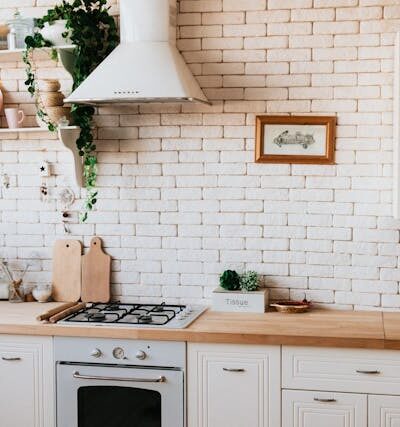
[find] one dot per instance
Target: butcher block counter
(362, 329)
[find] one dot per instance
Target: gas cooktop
(136, 315)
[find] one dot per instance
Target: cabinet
(233, 385)
(383, 411)
(26, 381)
(316, 409)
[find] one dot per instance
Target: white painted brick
(180, 197)
(337, 233)
(357, 298)
(311, 270)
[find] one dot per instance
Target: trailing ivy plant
(93, 32)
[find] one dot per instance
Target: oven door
(108, 396)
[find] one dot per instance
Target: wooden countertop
(317, 328)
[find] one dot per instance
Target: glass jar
(22, 27)
(16, 292)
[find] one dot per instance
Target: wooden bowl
(49, 85)
(291, 307)
(52, 99)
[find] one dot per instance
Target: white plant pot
(240, 301)
(54, 32)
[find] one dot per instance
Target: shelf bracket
(68, 138)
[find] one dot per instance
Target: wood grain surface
(67, 270)
(96, 271)
(318, 328)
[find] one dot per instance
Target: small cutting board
(96, 270)
(67, 270)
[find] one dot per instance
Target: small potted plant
(240, 293)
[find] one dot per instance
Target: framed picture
(295, 139)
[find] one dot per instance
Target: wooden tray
(291, 307)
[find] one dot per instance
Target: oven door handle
(160, 379)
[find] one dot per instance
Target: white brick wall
(180, 197)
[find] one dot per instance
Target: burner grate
(129, 314)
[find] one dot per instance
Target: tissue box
(239, 301)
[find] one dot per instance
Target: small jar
(27, 289)
(16, 292)
(42, 293)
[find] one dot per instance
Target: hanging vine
(93, 32)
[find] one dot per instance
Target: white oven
(119, 383)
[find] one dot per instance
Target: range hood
(146, 66)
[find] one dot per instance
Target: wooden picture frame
(281, 139)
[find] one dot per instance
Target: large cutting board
(67, 270)
(96, 270)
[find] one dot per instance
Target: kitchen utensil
(42, 293)
(292, 307)
(46, 315)
(14, 117)
(67, 270)
(56, 317)
(96, 270)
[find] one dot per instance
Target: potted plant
(92, 31)
(240, 293)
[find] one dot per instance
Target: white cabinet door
(323, 409)
(383, 411)
(233, 385)
(26, 381)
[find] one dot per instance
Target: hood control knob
(96, 353)
(141, 355)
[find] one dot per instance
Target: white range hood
(146, 66)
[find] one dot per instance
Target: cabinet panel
(26, 381)
(233, 385)
(335, 369)
(316, 409)
(383, 411)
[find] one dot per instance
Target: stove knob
(96, 353)
(141, 355)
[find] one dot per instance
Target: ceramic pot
(54, 33)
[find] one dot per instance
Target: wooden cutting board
(67, 270)
(96, 271)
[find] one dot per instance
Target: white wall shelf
(65, 55)
(67, 136)
(16, 54)
(30, 129)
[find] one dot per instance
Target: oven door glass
(104, 396)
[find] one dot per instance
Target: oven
(119, 383)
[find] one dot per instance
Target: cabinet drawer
(349, 370)
(316, 409)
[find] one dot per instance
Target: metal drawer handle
(368, 372)
(11, 359)
(160, 379)
(318, 399)
(234, 370)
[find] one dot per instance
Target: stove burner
(112, 307)
(145, 318)
(125, 314)
(96, 317)
(159, 308)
